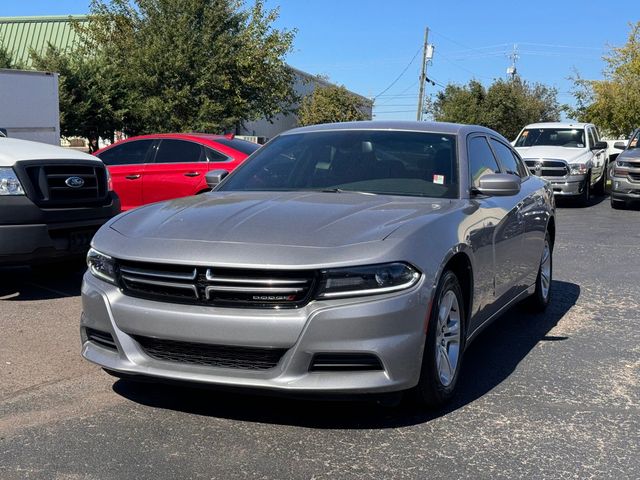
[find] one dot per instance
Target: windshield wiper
(341, 190)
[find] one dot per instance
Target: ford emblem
(74, 182)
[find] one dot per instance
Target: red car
(150, 168)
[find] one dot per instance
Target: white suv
(569, 155)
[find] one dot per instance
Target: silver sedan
(338, 259)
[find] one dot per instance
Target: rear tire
(540, 299)
(444, 345)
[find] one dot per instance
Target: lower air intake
(222, 356)
(345, 362)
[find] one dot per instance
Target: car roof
(407, 126)
(180, 136)
(559, 125)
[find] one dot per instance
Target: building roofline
(326, 83)
(44, 18)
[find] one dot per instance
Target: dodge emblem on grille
(74, 182)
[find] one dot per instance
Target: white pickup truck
(569, 155)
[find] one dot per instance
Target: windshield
(555, 137)
(370, 161)
(633, 143)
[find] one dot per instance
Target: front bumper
(390, 327)
(569, 186)
(622, 188)
(29, 234)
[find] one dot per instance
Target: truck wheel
(444, 345)
(540, 299)
(600, 187)
(584, 197)
(618, 204)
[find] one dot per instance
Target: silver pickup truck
(569, 155)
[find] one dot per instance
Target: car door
(502, 223)
(599, 156)
(126, 164)
(532, 220)
(178, 170)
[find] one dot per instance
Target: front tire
(444, 345)
(600, 188)
(540, 299)
(618, 204)
(584, 197)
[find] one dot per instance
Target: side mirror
(214, 177)
(620, 145)
(600, 146)
(499, 184)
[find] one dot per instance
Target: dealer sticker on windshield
(439, 179)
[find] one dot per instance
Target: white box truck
(29, 107)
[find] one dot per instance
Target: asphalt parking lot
(555, 395)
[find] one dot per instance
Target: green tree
(613, 103)
(198, 65)
(331, 103)
(506, 106)
(92, 100)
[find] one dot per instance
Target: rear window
(240, 145)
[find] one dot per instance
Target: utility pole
(423, 75)
(512, 71)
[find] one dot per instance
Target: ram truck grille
(547, 168)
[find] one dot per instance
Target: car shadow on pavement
(573, 203)
(491, 359)
(42, 283)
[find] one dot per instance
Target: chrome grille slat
(159, 273)
(259, 281)
(227, 287)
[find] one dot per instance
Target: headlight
(101, 266)
(368, 280)
(9, 183)
(577, 168)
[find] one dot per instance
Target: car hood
(630, 155)
(302, 219)
(570, 155)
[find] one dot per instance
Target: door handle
(191, 174)
(133, 177)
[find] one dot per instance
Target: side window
(522, 168)
(508, 161)
(128, 153)
(592, 139)
(179, 151)
(214, 156)
(481, 159)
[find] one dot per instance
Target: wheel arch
(459, 262)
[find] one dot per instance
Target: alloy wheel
(448, 338)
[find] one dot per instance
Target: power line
(401, 74)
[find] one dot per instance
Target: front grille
(634, 176)
(547, 168)
(223, 356)
(228, 287)
(51, 185)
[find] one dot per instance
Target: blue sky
(366, 44)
